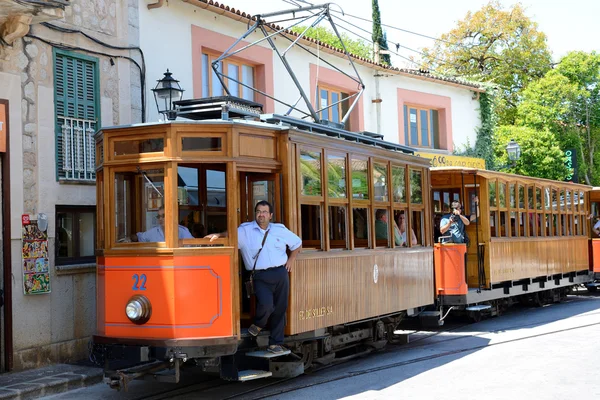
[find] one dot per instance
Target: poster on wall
(36, 275)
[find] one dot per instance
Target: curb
(51, 384)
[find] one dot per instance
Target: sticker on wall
(375, 273)
(36, 273)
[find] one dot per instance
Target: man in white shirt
(157, 234)
(271, 280)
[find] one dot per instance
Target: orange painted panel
(596, 255)
(449, 261)
(190, 296)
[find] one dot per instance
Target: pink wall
(339, 81)
(441, 103)
(204, 40)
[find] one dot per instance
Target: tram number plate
(140, 282)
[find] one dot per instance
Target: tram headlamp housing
(138, 309)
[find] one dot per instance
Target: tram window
(446, 204)
(503, 224)
(547, 198)
(382, 228)
(492, 190)
(380, 182)
(360, 187)
(511, 192)
(437, 206)
(493, 223)
(554, 200)
(562, 200)
(555, 223)
(138, 199)
(399, 184)
(530, 197)
(539, 224)
(532, 225)
(521, 223)
(416, 187)
(568, 201)
(311, 226)
(360, 218)
(337, 227)
(538, 198)
(563, 221)
(201, 144)
(336, 176)
(577, 229)
(417, 227)
(126, 147)
(521, 197)
(502, 194)
(513, 224)
(548, 223)
(310, 166)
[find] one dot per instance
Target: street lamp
(167, 91)
(514, 151)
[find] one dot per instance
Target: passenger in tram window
(381, 227)
(264, 247)
(401, 227)
(453, 225)
(157, 233)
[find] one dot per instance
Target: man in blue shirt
(271, 280)
(454, 224)
(157, 234)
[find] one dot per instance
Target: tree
(494, 45)
(355, 47)
(566, 101)
(541, 155)
(378, 36)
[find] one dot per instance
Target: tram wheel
(538, 299)
(308, 354)
(592, 289)
(476, 316)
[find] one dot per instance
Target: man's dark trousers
(272, 287)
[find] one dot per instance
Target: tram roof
(280, 123)
(508, 176)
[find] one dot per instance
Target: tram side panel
(333, 290)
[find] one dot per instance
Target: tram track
(421, 342)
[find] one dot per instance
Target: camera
(453, 218)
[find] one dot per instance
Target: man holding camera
(453, 225)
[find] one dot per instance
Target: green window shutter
(77, 114)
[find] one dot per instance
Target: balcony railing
(77, 149)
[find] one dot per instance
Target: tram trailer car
(529, 240)
(593, 285)
(161, 305)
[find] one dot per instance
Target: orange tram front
(167, 297)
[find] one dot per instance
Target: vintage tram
(529, 239)
(179, 300)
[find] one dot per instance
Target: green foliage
(378, 35)
(355, 47)
(566, 101)
(503, 47)
(541, 155)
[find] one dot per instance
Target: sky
(571, 25)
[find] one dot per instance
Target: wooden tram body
(531, 238)
(208, 175)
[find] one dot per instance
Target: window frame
(239, 63)
(434, 137)
(76, 211)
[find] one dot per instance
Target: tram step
(479, 307)
(266, 354)
(251, 374)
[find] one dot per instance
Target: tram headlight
(138, 309)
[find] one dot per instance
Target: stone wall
(56, 327)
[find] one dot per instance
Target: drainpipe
(6, 243)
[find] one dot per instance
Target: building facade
(405, 106)
(66, 68)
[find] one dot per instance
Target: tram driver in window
(157, 233)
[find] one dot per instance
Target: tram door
(254, 187)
